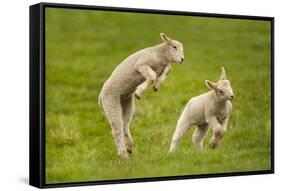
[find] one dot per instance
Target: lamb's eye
(221, 92)
(175, 47)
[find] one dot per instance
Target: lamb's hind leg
(198, 137)
(182, 127)
(113, 111)
(128, 111)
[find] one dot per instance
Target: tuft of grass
(66, 132)
(82, 49)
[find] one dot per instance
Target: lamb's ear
(164, 37)
(210, 84)
(223, 76)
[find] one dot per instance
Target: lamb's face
(173, 49)
(222, 88)
(174, 52)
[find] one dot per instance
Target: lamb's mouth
(181, 61)
(230, 99)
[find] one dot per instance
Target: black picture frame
(37, 94)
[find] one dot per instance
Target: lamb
(208, 110)
(130, 79)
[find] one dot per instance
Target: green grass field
(82, 49)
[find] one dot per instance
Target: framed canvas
(122, 95)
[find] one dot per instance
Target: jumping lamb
(208, 110)
(131, 78)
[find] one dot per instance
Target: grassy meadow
(82, 49)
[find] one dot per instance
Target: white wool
(132, 77)
(208, 110)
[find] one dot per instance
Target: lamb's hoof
(129, 143)
(137, 96)
(129, 148)
(130, 151)
(124, 156)
(213, 145)
(155, 89)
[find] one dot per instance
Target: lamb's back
(124, 79)
(195, 110)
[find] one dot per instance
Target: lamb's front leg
(218, 132)
(161, 78)
(141, 89)
(150, 77)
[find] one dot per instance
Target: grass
(82, 49)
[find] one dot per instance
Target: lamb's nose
(232, 96)
(182, 59)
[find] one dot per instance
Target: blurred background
(82, 49)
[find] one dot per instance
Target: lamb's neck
(160, 50)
